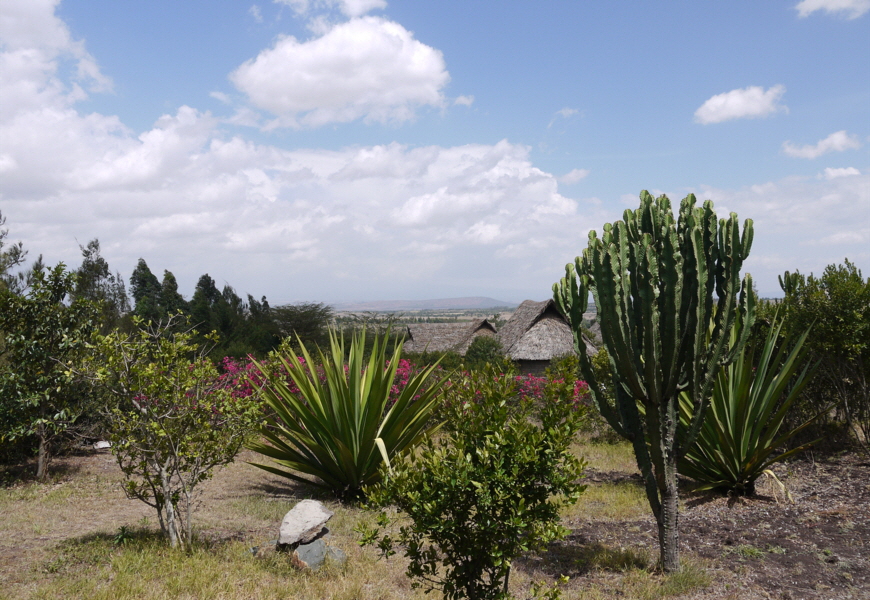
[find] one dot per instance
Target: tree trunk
(42, 461)
(669, 532)
(171, 517)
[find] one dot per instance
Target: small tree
(486, 491)
(41, 334)
(653, 279)
(173, 423)
(485, 349)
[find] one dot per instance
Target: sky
(350, 150)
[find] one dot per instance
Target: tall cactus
(653, 281)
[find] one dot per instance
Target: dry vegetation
(61, 540)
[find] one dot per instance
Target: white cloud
(256, 13)
(800, 223)
(831, 173)
(367, 68)
(350, 8)
(838, 141)
(564, 113)
(464, 101)
(574, 176)
(746, 103)
(851, 9)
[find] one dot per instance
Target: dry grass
(61, 541)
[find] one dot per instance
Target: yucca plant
(740, 436)
(341, 428)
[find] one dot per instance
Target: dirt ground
(816, 547)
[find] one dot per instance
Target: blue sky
(339, 150)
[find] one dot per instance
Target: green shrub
(340, 429)
(173, 422)
(487, 490)
(484, 350)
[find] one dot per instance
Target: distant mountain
(475, 302)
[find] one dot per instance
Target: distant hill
(475, 302)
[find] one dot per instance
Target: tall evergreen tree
(170, 300)
(145, 289)
(95, 281)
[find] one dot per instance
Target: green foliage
(837, 306)
(490, 488)
(653, 278)
(306, 321)
(41, 335)
(484, 350)
(173, 423)
(95, 282)
(751, 398)
(12, 256)
(341, 429)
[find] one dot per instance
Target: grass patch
(610, 501)
(607, 457)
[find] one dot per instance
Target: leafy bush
(751, 399)
(486, 491)
(341, 428)
(41, 334)
(174, 421)
(485, 349)
(837, 306)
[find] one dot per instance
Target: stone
(102, 445)
(303, 524)
(336, 555)
(309, 556)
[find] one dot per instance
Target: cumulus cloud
(574, 176)
(800, 222)
(831, 173)
(367, 68)
(851, 9)
(464, 101)
(838, 141)
(746, 103)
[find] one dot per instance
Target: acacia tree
(653, 279)
(174, 422)
(42, 336)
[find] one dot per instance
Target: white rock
(303, 523)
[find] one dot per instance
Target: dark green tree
(95, 282)
(42, 337)
(307, 320)
(11, 256)
(484, 350)
(170, 300)
(145, 289)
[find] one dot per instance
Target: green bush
(484, 350)
(173, 422)
(339, 429)
(488, 489)
(837, 306)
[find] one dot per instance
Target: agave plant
(741, 433)
(340, 427)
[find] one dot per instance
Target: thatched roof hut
(535, 334)
(445, 337)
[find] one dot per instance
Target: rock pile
(302, 536)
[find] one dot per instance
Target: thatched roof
(444, 337)
(538, 331)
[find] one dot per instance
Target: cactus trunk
(653, 279)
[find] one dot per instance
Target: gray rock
(303, 524)
(309, 556)
(336, 555)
